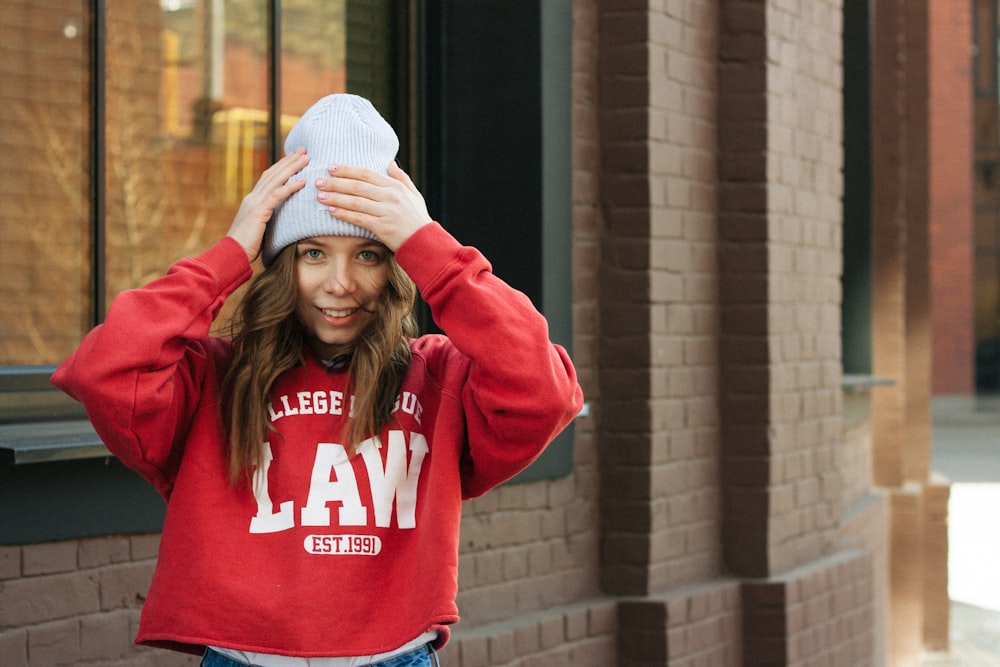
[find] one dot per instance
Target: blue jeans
(425, 656)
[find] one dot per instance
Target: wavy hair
(268, 340)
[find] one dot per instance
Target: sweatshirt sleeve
(521, 389)
(140, 373)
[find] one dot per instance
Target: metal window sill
(70, 440)
(859, 383)
(41, 442)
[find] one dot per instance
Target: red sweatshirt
(332, 556)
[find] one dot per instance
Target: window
(856, 305)
(44, 152)
(499, 151)
(130, 133)
(132, 130)
(987, 197)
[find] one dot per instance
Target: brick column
(746, 377)
(625, 349)
(951, 160)
(901, 321)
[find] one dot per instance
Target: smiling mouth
(333, 312)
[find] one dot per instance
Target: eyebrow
(361, 244)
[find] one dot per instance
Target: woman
(315, 462)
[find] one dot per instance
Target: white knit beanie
(338, 129)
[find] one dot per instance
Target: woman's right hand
(258, 205)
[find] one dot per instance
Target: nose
(340, 280)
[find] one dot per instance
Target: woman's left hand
(390, 206)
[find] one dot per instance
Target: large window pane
(45, 303)
(120, 157)
(356, 46)
(313, 53)
(187, 111)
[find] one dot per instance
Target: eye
(311, 253)
(371, 256)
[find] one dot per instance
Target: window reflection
(185, 137)
(313, 52)
(186, 127)
(45, 182)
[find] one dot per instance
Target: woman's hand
(258, 205)
(390, 206)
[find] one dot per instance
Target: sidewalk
(966, 450)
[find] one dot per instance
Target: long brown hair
(269, 340)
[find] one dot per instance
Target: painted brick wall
(659, 315)
(684, 285)
(781, 259)
(624, 321)
(77, 603)
(819, 615)
(804, 263)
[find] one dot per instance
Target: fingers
(275, 178)
(390, 206)
(396, 172)
(274, 186)
(367, 184)
(357, 189)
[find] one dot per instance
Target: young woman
(314, 463)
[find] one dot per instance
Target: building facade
(729, 211)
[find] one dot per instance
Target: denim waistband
(423, 656)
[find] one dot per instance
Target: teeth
(337, 313)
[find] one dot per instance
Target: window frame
(507, 189)
(40, 424)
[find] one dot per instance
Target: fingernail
(333, 168)
(322, 195)
(320, 182)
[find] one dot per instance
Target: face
(339, 281)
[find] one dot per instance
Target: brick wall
(818, 615)
(780, 219)
(903, 241)
(658, 317)
(950, 103)
(77, 603)
(567, 636)
(689, 626)
(717, 512)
